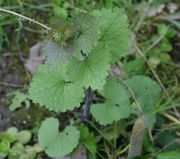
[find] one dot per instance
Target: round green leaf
(147, 93)
(88, 28)
(12, 134)
(55, 143)
(114, 31)
(117, 105)
(50, 88)
(24, 136)
(91, 71)
(56, 53)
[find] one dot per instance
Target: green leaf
(87, 138)
(24, 136)
(16, 151)
(88, 28)
(114, 31)
(17, 100)
(56, 53)
(12, 134)
(4, 146)
(50, 88)
(134, 67)
(165, 139)
(90, 71)
(147, 93)
(117, 105)
(162, 29)
(54, 143)
(169, 155)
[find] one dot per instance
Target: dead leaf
(172, 7)
(115, 70)
(156, 10)
(34, 58)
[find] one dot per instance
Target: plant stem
(24, 17)
(87, 103)
(170, 117)
(123, 150)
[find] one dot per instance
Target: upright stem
(87, 103)
(24, 17)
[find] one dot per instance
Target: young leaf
(54, 143)
(114, 31)
(17, 100)
(50, 88)
(56, 53)
(87, 138)
(146, 90)
(117, 105)
(92, 70)
(87, 26)
(147, 93)
(169, 155)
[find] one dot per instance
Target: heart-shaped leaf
(55, 143)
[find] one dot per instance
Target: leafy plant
(79, 55)
(18, 99)
(13, 144)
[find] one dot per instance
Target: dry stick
(24, 17)
(10, 85)
(152, 70)
(155, 75)
(138, 129)
(154, 44)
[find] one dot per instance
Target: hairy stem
(24, 17)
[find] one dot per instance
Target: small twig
(134, 98)
(154, 44)
(24, 17)
(140, 133)
(10, 85)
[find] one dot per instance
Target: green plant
(13, 144)
(79, 54)
(18, 99)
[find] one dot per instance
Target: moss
(32, 117)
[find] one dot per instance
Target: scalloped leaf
(117, 105)
(114, 31)
(92, 70)
(50, 88)
(56, 53)
(55, 143)
(88, 28)
(147, 93)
